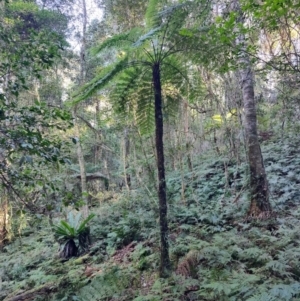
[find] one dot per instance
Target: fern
(120, 41)
(146, 37)
(112, 282)
(145, 111)
(151, 18)
(100, 81)
(174, 288)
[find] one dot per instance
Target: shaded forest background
(156, 161)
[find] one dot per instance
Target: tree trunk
(126, 151)
(165, 265)
(80, 156)
(81, 162)
(4, 219)
(260, 206)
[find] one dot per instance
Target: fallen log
(92, 176)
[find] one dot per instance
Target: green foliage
(113, 281)
(130, 77)
(27, 141)
(216, 253)
(101, 80)
(73, 228)
(27, 16)
(165, 289)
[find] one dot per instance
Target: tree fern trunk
(165, 266)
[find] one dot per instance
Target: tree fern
(150, 68)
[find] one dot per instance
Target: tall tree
(28, 48)
(228, 51)
(260, 206)
(82, 75)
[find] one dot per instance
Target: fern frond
(172, 99)
(151, 15)
(119, 41)
(126, 83)
(148, 36)
(83, 224)
(145, 116)
(110, 283)
(100, 81)
(175, 17)
(133, 94)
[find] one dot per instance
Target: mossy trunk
(165, 265)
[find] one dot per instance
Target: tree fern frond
(175, 71)
(100, 81)
(126, 83)
(170, 10)
(175, 16)
(149, 35)
(119, 41)
(145, 116)
(151, 15)
(172, 100)
(133, 94)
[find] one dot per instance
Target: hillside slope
(217, 253)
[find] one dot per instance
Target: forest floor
(217, 254)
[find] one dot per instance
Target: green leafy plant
(71, 230)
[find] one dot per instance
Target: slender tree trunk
(4, 219)
(83, 43)
(126, 151)
(187, 135)
(260, 206)
(80, 156)
(81, 162)
(165, 265)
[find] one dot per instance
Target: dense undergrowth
(216, 253)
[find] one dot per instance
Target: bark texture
(4, 221)
(259, 193)
(260, 206)
(165, 266)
